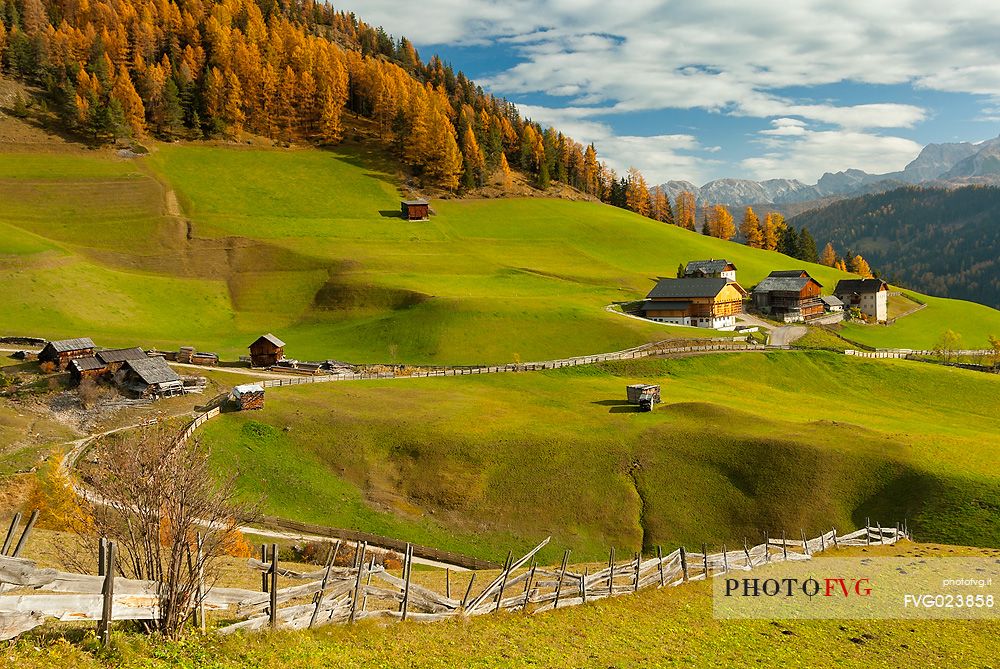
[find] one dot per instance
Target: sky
(705, 89)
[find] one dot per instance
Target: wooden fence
(906, 353)
(366, 590)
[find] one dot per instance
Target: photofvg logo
(862, 588)
(793, 587)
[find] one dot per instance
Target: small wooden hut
(114, 358)
(415, 210)
(88, 367)
(152, 377)
(248, 396)
(266, 351)
(59, 353)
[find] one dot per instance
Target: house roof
(270, 338)
(848, 286)
(66, 345)
(708, 266)
(688, 287)
(832, 300)
(673, 305)
(87, 364)
(789, 273)
(120, 354)
(784, 284)
(415, 202)
(153, 370)
(248, 388)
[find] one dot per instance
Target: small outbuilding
(88, 367)
(151, 377)
(59, 353)
(248, 396)
(833, 304)
(266, 351)
(114, 358)
(415, 210)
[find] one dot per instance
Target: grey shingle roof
(782, 284)
(87, 364)
(707, 266)
(415, 202)
(849, 286)
(120, 354)
(832, 300)
(270, 338)
(692, 287)
(66, 345)
(153, 370)
(788, 273)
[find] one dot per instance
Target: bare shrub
(154, 496)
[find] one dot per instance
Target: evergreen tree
(788, 242)
(807, 247)
(173, 115)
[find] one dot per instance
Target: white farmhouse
(871, 296)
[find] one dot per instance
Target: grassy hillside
(742, 443)
(306, 244)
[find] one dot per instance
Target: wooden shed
(152, 377)
(88, 367)
(114, 358)
(266, 351)
(248, 396)
(59, 353)
(415, 210)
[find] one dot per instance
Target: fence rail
(905, 353)
(345, 594)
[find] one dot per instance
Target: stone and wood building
(702, 269)
(707, 302)
(150, 377)
(870, 296)
(415, 210)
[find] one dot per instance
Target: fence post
(611, 572)
(805, 544)
(468, 590)
(767, 548)
(583, 584)
(562, 575)
(659, 559)
(108, 593)
(835, 543)
(102, 556)
(746, 550)
(274, 586)
(784, 546)
(263, 574)
(322, 587)
(14, 522)
(201, 583)
(357, 583)
(704, 557)
(24, 534)
(684, 565)
(822, 543)
(503, 580)
(881, 538)
(408, 567)
(638, 558)
(725, 560)
(447, 582)
(868, 534)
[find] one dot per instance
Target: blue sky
(717, 88)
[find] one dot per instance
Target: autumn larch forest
(289, 70)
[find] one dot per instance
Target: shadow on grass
(390, 213)
(628, 408)
(611, 403)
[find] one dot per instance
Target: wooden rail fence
(366, 590)
(906, 353)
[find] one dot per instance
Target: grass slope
(306, 244)
(742, 443)
(655, 628)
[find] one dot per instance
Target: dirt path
(787, 334)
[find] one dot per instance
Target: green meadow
(307, 244)
(742, 443)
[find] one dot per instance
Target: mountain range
(949, 165)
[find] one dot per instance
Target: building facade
(870, 296)
(697, 302)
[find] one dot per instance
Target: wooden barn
(415, 210)
(701, 269)
(151, 377)
(88, 367)
(59, 353)
(114, 358)
(789, 295)
(248, 396)
(266, 351)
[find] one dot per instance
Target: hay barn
(59, 353)
(415, 210)
(266, 351)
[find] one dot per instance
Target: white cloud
(806, 154)
(726, 56)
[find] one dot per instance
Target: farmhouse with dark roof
(701, 302)
(702, 269)
(789, 295)
(871, 296)
(59, 353)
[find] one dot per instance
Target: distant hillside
(942, 242)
